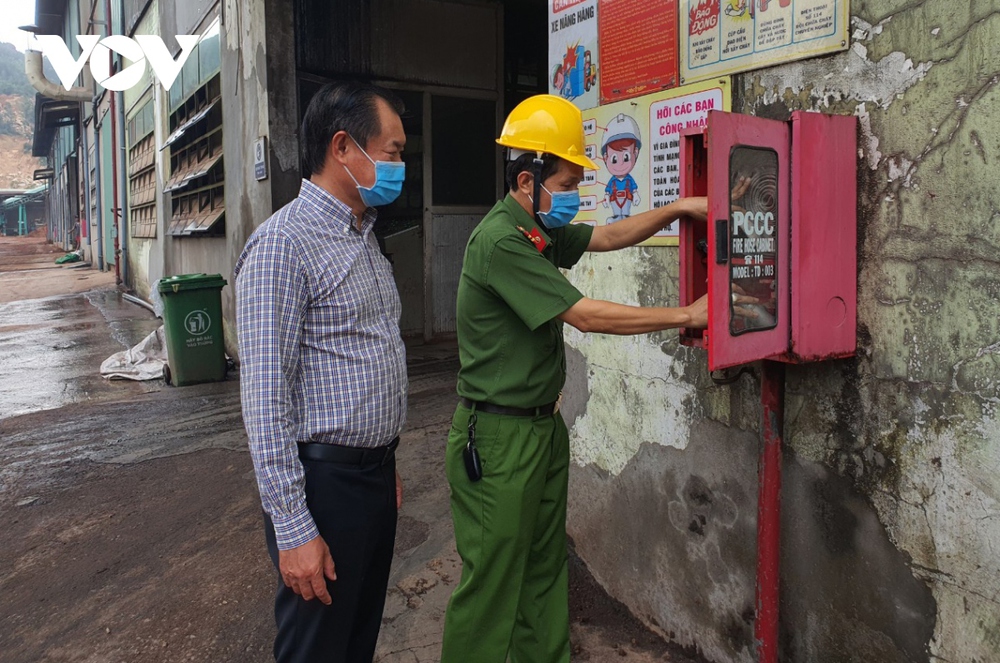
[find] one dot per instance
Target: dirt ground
(28, 271)
(132, 527)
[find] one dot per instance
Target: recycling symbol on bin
(197, 322)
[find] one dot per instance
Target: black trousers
(354, 507)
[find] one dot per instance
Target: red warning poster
(638, 47)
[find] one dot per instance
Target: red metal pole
(772, 399)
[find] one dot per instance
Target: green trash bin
(192, 323)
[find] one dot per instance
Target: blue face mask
(389, 176)
(565, 207)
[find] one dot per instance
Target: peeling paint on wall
(245, 35)
(904, 437)
(637, 398)
(879, 82)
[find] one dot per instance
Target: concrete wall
(891, 503)
(140, 251)
(259, 98)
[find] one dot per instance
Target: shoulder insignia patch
(534, 237)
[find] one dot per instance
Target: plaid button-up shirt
(321, 358)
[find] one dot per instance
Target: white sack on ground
(145, 361)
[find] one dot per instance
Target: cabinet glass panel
(753, 239)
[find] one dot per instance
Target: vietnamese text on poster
(637, 145)
(638, 47)
(722, 37)
(573, 56)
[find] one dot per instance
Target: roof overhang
(50, 115)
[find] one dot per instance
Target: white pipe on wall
(36, 76)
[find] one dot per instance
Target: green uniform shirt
(510, 341)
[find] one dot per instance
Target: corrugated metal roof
(29, 196)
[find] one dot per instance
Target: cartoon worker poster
(573, 55)
(620, 153)
(637, 144)
(615, 137)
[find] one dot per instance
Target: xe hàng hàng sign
(573, 55)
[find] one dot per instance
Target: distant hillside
(17, 121)
(17, 97)
(12, 78)
(17, 115)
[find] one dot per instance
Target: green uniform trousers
(510, 528)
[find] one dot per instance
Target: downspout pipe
(123, 183)
(98, 190)
(115, 208)
(116, 213)
(85, 217)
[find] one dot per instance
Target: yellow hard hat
(547, 123)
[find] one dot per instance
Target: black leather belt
(335, 453)
(490, 408)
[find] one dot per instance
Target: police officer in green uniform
(508, 449)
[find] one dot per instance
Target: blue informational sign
(260, 159)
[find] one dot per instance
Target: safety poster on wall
(638, 44)
(723, 37)
(637, 145)
(573, 55)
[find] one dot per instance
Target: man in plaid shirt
(324, 382)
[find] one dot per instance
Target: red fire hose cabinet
(778, 254)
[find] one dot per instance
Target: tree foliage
(12, 77)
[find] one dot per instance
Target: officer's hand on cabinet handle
(695, 207)
(698, 312)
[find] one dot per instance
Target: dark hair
(550, 164)
(349, 107)
(619, 145)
